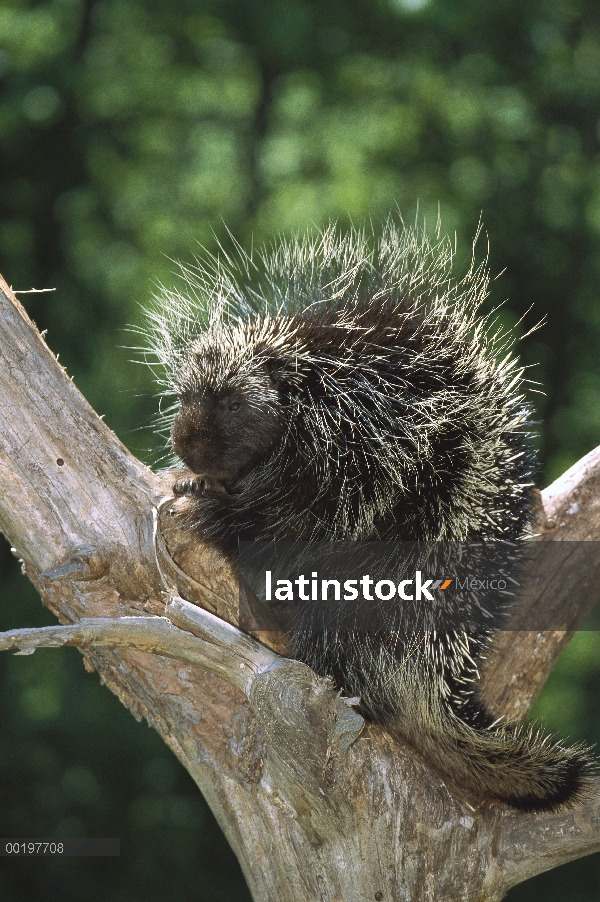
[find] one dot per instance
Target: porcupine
(340, 388)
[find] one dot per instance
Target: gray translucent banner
(420, 586)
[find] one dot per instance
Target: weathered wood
(315, 804)
(522, 658)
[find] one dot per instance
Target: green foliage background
(131, 130)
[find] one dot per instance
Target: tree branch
(532, 844)
(199, 638)
(521, 657)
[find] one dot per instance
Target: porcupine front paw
(190, 487)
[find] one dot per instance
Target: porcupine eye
(232, 404)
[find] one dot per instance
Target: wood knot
(85, 563)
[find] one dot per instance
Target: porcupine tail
(511, 763)
(401, 688)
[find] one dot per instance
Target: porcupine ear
(274, 369)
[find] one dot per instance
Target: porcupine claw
(189, 487)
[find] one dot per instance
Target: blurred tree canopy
(134, 131)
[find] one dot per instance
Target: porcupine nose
(190, 440)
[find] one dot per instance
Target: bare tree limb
(522, 658)
(198, 638)
(536, 843)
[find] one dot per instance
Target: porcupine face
(230, 415)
